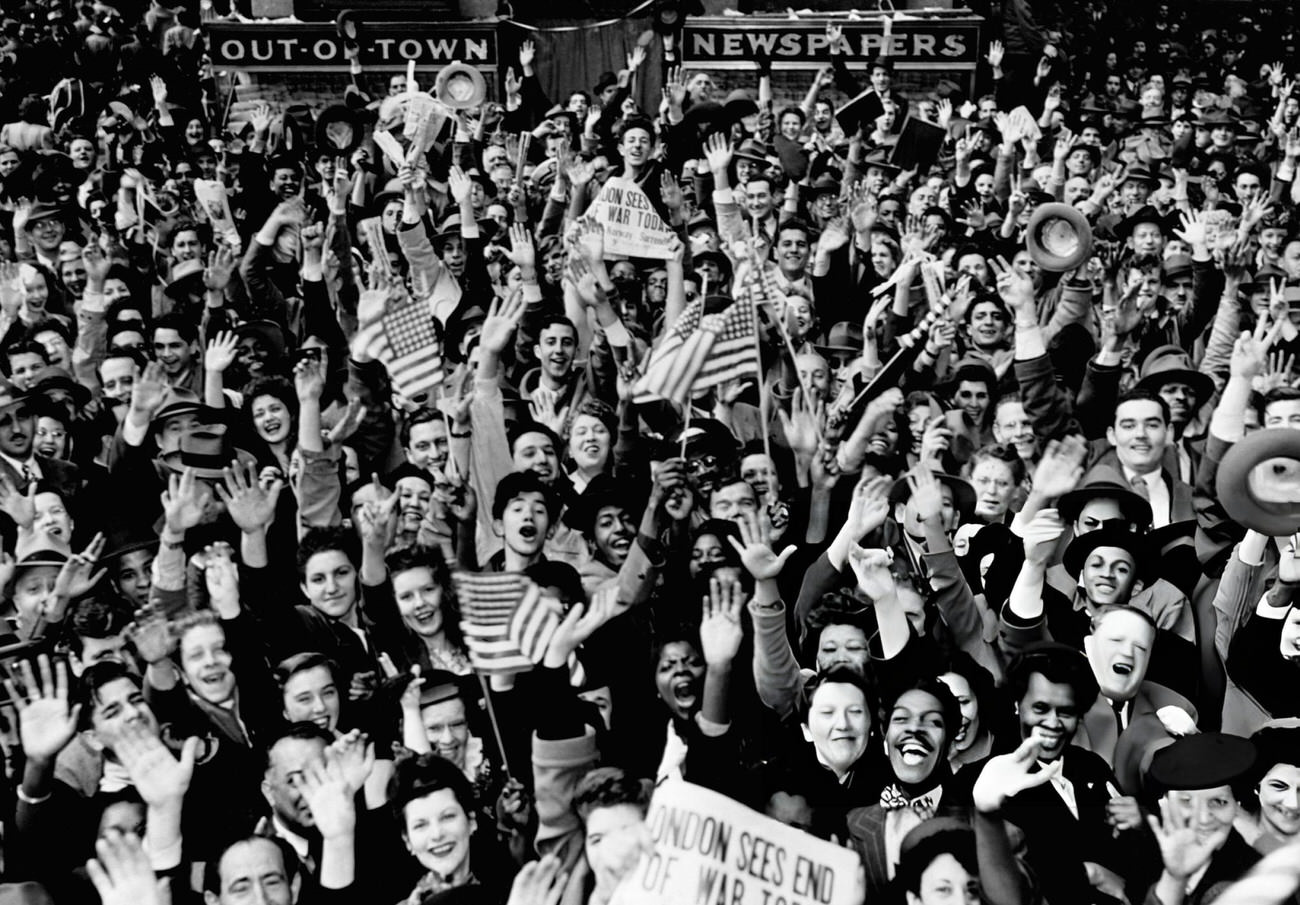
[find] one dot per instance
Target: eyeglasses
(43, 433)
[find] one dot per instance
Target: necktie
(1139, 485)
(1118, 707)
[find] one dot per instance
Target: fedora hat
(845, 336)
(460, 87)
(1109, 535)
(11, 395)
(1259, 481)
(1170, 364)
(270, 333)
(56, 378)
(176, 401)
(338, 130)
(755, 151)
(1058, 237)
(209, 452)
(739, 104)
(1093, 152)
(1105, 483)
(123, 539)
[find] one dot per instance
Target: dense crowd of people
(944, 576)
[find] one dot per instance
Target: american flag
(406, 340)
(701, 351)
(506, 620)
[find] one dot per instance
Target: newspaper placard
(211, 195)
(710, 849)
(633, 228)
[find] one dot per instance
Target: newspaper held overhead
(633, 228)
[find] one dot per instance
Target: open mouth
(913, 752)
(621, 543)
(271, 427)
(591, 449)
(441, 851)
(683, 689)
(527, 532)
(1122, 668)
(214, 679)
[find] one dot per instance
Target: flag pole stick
(686, 426)
(492, 718)
(759, 276)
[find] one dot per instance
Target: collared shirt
(1064, 788)
(1157, 493)
(30, 467)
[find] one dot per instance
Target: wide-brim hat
(450, 228)
(1171, 364)
(41, 556)
(1093, 152)
(1105, 483)
(1111, 535)
(124, 538)
(824, 184)
(348, 25)
(269, 332)
(1259, 482)
(1145, 214)
(739, 104)
(209, 453)
(602, 491)
(55, 378)
(756, 152)
(1058, 237)
(879, 159)
(11, 395)
(963, 494)
(339, 130)
(186, 280)
(460, 87)
(176, 401)
(844, 336)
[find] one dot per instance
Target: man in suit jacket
(19, 463)
(1070, 822)
(1137, 446)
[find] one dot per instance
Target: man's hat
(209, 452)
(1139, 174)
(1171, 364)
(269, 332)
(963, 494)
(1093, 152)
(338, 130)
(10, 395)
(461, 87)
(845, 336)
(186, 280)
(1105, 483)
(1110, 535)
(1206, 760)
(1058, 237)
(1259, 482)
(176, 401)
(55, 378)
(1263, 279)
(824, 184)
(1144, 214)
(753, 150)
(602, 491)
(739, 104)
(1176, 265)
(122, 539)
(879, 159)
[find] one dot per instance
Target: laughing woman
(271, 411)
(592, 432)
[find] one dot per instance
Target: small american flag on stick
(701, 351)
(506, 620)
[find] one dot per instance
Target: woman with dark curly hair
(271, 412)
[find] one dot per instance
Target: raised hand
(503, 319)
(122, 873)
(1015, 288)
(1041, 534)
(184, 501)
(755, 549)
(927, 493)
(46, 722)
(377, 519)
(260, 117)
(148, 391)
(670, 191)
(672, 490)
(1007, 775)
(590, 238)
(521, 252)
(221, 267)
(250, 505)
(353, 414)
(1061, 467)
(995, 54)
(720, 629)
(309, 379)
(329, 797)
(869, 507)
(717, 151)
(159, 777)
(580, 623)
(802, 426)
(151, 635)
(871, 566)
(159, 89)
(541, 882)
(527, 54)
(77, 576)
(221, 576)
(542, 406)
(19, 506)
(221, 352)
(1181, 849)
(935, 440)
(1193, 229)
(355, 753)
(835, 236)
(460, 185)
